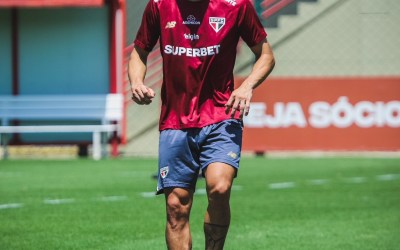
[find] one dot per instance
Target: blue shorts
(183, 153)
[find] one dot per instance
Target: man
(201, 114)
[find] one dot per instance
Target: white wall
(358, 38)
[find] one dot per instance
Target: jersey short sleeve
(250, 28)
(149, 31)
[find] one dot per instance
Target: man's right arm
(137, 71)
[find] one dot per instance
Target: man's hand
(136, 71)
(239, 101)
(142, 94)
(241, 97)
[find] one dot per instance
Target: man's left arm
(241, 97)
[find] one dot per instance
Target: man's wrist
(249, 84)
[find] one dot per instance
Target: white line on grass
(318, 182)
(199, 191)
(282, 185)
(237, 188)
(58, 201)
(356, 180)
(203, 191)
(113, 198)
(387, 177)
(11, 205)
(148, 194)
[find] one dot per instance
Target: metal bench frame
(107, 109)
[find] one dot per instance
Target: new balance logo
(233, 155)
(231, 2)
(170, 25)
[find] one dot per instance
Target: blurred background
(326, 51)
(336, 86)
(335, 91)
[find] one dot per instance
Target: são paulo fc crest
(164, 172)
(217, 23)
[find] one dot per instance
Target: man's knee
(219, 178)
(178, 207)
(219, 191)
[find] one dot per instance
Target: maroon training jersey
(198, 43)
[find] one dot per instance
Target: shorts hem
(181, 185)
(232, 164)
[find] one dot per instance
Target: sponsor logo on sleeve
(217, 23)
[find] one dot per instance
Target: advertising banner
(324, 114)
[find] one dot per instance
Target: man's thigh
(220, 176)
(223, 144)
(178, 163)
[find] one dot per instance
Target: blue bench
(106, 109)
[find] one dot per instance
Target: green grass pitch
(279, 204)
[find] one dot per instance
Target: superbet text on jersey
(198, 43)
